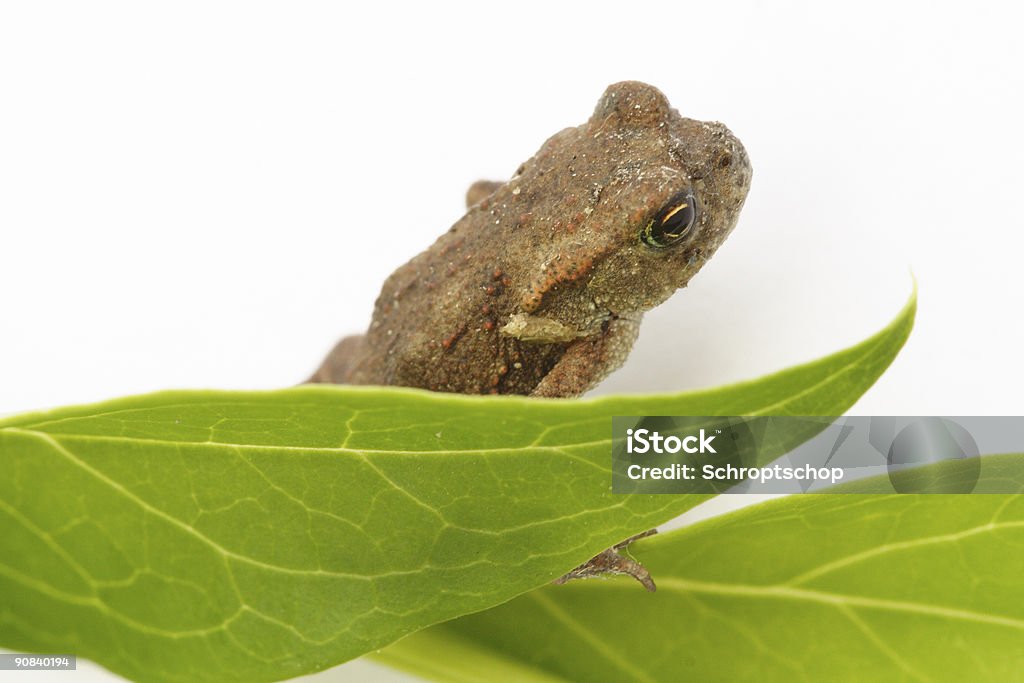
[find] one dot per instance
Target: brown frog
(540, 287)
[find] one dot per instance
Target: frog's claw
(611, 562)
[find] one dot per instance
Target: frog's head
(642, 198)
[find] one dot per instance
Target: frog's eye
(674, 222)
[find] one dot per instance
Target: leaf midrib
(336, 450)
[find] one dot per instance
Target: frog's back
(437, 324)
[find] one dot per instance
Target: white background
(198, 194)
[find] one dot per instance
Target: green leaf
(258, 536)
(812, 587)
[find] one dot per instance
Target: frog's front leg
(480, 190)
(588, 360)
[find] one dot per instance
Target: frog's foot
(480, 190)
(611, 562)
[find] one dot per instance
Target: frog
(539, 289)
